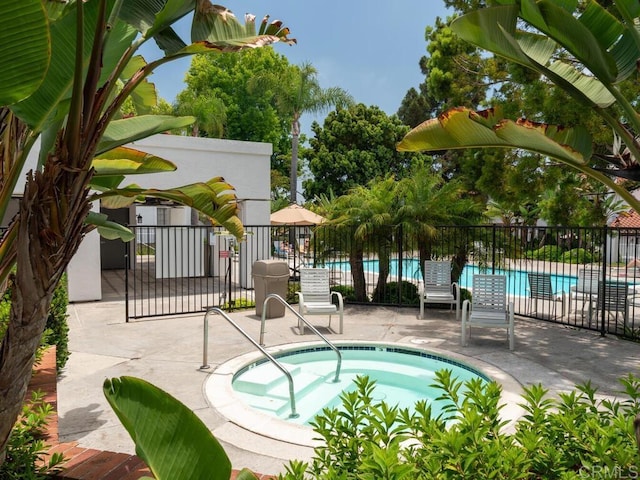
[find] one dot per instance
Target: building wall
(245, 165)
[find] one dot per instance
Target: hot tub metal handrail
(301, 318)
(287, 374)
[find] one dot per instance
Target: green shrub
(390, 295)
(292, 288)
(549, 253)
(26, 448)
(577, 255)
(570, 437)
(348, 293)
(238, 304)
(57, 324)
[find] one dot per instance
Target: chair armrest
(455, 287)
(339, 296)
(300, 297)
(465, 309)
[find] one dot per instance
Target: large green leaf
(129, 161)
(24, 49)
(494, 29)
(169, 437)
(127, 130)
(108, 229)
(461, 128)
(214, 198)
(50, 101)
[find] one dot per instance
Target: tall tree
(354, 146)
(296, 91)
(59, 81)
(223, 81)
(427, 201)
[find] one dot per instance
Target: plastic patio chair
(488, 307)
(586, 288)
(438, 287)
(315, 296)
(540, 288)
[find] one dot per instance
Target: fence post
(400, 262)
(602, 301)
(493, 250)
(126, 273)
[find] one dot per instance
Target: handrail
(300, 317)
(205, 365)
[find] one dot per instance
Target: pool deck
(167, 351)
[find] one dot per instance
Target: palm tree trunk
(293, 197)
(49, 233)
(356, 262)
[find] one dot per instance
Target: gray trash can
(270, 276)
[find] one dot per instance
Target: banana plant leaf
(462, 128)
(214, 198)
(169, 437)
(24, 45)
(50, 102)
(121, 132)
(108, 229)
(129, 161)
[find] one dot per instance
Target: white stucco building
(245, 165)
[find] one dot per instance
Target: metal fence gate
(188, 269)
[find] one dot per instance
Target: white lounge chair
(586, 288)
(314, 297)
(615, 298)
(540, 288)
(488, 307)
(438, 287)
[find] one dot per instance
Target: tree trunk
(357, 274)
(295, 135)
(51, 227)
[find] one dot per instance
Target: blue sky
(371, 48)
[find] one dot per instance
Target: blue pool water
(517, 283)
(403, 376)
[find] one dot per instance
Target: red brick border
(85, 463)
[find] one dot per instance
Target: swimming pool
(517, 282)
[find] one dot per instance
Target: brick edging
(85, 463)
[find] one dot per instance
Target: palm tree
(428, 201)
(363, 220)
(297, 91)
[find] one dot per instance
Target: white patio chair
(314, 297)
(438, 287)
(488, 307)
(540, 288)
(586, 288)
(615, 298)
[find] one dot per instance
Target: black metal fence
(177, 270)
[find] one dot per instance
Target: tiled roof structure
(629, 219)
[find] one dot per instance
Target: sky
(370, 48)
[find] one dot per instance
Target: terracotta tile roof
(630, 219)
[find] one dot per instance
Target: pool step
(267, 379)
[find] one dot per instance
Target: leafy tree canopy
(354, 146)
(222, 83)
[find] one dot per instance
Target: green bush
(26, 448)
(292, 288)
(577, 255)
(390, 295)
(57, 324)
(348, 293)
(549, 253)
(572, 436)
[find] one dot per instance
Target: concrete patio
(167, 351)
